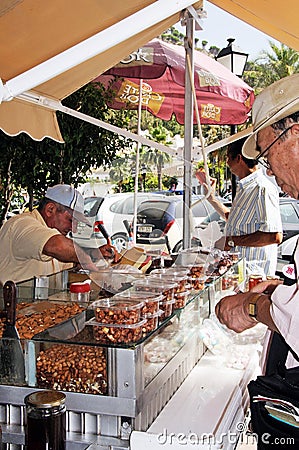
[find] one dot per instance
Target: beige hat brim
(249, 149)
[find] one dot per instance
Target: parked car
(160, 221)
(289, 211)
(110, 211)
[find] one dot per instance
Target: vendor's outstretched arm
(65, 250)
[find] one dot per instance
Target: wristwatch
(252, 307)
(231, 243)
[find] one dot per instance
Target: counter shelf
(137, 387)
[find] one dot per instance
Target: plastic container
(235, 256)
(117, 311)
(197, 283)
(117, 333)
(151, 300)
(156, 286)
(180, 299)
(152, 322)
(180, 280)
(46, 420)
(80, 292)
(196, 270)
(167, 309)
(176, 271)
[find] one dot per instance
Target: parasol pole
(137, 161)
(188, 132)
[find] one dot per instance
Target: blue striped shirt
(256, 208)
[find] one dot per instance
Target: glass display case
(112, 387)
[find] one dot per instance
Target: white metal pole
(188, 132)
(137, 162)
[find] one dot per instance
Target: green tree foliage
(33, 165)
(281, 61)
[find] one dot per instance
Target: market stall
(117, 377)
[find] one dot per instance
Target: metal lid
(45, 399)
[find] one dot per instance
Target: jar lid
(45, 399)
(79, 287)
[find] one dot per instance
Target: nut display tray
(65, 330)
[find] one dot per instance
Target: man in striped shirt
(253, 225)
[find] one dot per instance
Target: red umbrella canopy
(223, 98)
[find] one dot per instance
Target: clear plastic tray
(117, 333)
(150, 299)
(117, 311)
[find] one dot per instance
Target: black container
(46, 421)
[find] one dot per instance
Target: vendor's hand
(232, 311)
(109, 252)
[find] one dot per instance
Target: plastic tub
(180, 280)
(156, 286)
(180, 299)
(197, 283)
(151, 300)
(176, 271)
(152, 322)
(167, 310)
(115, 311)
(117, 333)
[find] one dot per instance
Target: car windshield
(155, 211)
(91, 205)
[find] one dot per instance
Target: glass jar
(45, 420)
(80, 292)
(254, 280)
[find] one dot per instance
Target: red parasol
(223, 98)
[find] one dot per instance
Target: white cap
(68, 196)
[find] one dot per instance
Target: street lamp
(143, 173)
(233, 58)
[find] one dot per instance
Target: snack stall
(119, 359)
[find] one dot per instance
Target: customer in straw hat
(274, 143)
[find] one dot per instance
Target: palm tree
(120, 170)
(156, 158)
(278, 63)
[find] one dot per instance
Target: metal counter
(138, 389)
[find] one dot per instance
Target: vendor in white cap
(35, 243)
(275, 143)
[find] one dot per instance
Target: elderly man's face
(282, 157)
(60, 218)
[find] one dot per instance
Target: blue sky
(220, 25)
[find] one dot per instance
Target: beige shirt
(22, 239)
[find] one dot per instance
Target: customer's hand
(232, 311)
(201, 176)
(221, 244)
(266, 287)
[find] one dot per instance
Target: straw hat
(275, 102)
